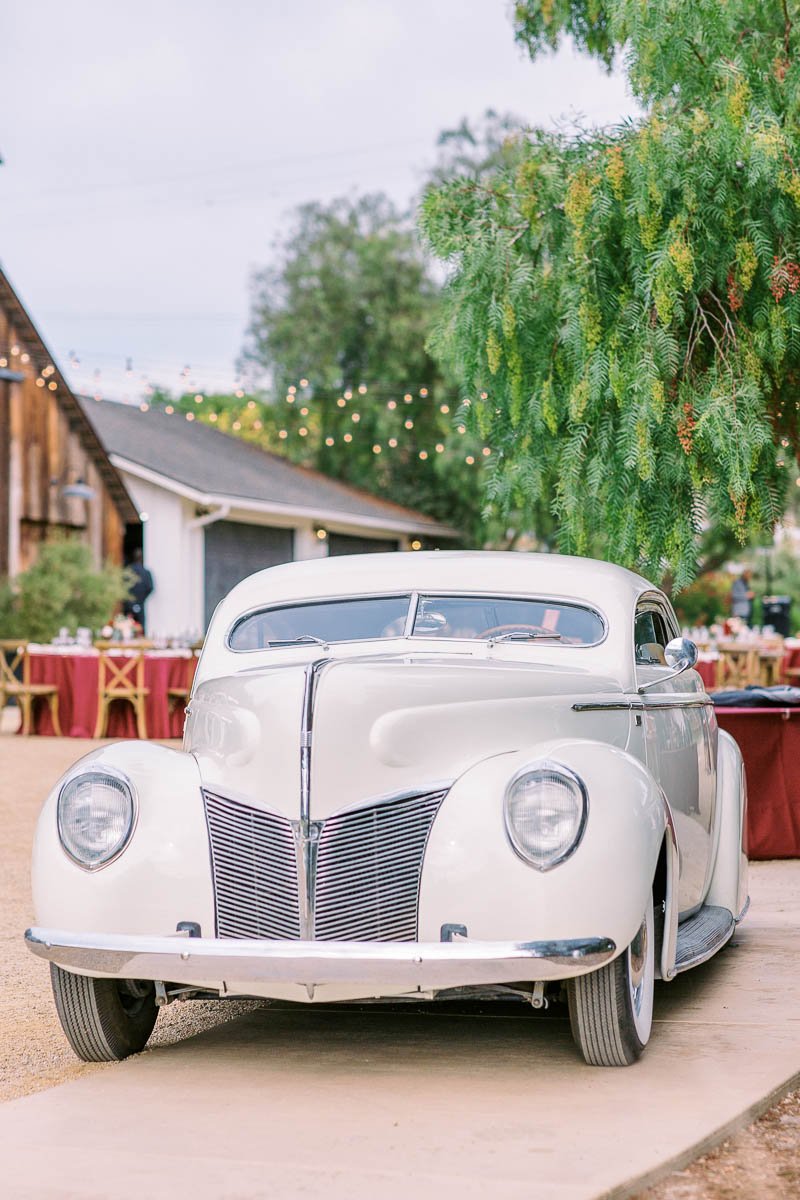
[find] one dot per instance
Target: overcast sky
(154, 151)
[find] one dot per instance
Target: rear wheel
(611, 1010)
(104, 1019)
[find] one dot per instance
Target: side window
(650, 637)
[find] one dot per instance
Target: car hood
(381, 725)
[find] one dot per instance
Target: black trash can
(776, 611)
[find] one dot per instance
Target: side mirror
(680, 654)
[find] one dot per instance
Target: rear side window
(651, 637)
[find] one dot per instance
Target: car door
(680, 736)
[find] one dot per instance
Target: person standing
(140, 589)
(742, 596)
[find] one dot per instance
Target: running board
(702, 935)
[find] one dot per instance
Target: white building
(215, 508)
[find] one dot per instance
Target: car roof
(586, 580)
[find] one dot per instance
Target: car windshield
(474, 618)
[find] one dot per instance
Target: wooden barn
(55, 476)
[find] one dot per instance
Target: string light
(237, 425)
(348, 437)
(392, 405)
(329, 441)
(462, 429)
(408, 398)
(213, 417)
(239, 394)
(283, 434)
(144, 407)
(376, 449)
(250, 404)
(198, 399)
(322, 534)
(469, 460)
(409, 424)
(40, 382)
(15, 350)
(393, 443)
(423, 392)
(190, 416)
(348, 395)
(439, 447)
(355, 417)
(444, 408)
(290, 399)
(341, 402)
(292, 390)
(26, 358)
(362, 389)
(486, 452)
(52, 385)
(169, 409)
(423, 454)
(258, 425)
(416, 544)
(303, 383)
(303, 412)
(3, 362)
(484, 396)
(303, 431)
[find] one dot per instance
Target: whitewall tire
(611, 1010)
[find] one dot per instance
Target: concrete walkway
(382, 1104)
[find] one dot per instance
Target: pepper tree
(624, 305)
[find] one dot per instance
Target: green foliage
(777, 574)
(629, 300)
(62, 588)
(706, 600)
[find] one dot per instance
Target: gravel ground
(762, 1161)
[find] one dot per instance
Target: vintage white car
(430, 775)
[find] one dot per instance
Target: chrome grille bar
(369, 864)
(254, 870)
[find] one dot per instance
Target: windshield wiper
(524, 635)
(297, 641)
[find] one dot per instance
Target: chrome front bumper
(406, 966)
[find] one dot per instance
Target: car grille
(368, 867)
(255, 871)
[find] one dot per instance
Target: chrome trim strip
(306, 831)
(641, 704)
(744, 911)
(389, 965)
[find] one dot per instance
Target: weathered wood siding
(39, 455)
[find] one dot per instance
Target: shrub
(62, 588)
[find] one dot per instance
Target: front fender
(473, 877)
(163, 875)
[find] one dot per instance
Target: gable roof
(226, 468)
(31, 340)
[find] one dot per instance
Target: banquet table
(75, 674)
(769, 739)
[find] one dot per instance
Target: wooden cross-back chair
(180, 695)
(15, 680)
(737, 666)
(120, 677)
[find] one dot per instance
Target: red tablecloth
(707, 670)
(769, 739)
(76, 675)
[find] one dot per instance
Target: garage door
(343, 543)
(234, 551)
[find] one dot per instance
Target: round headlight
(545, 810)
(96, 814)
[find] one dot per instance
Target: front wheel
(104, 1019)
(611, 1010)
